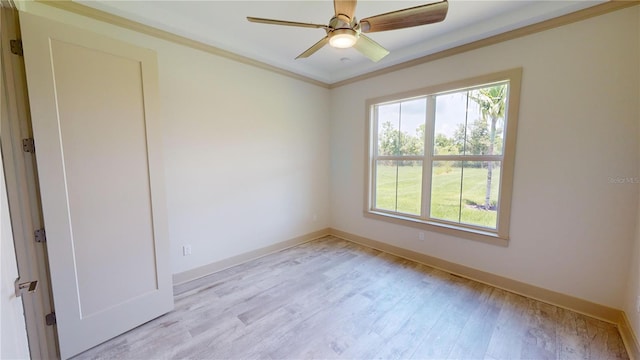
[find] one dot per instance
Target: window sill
(452, 230)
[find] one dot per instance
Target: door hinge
(40, 235)
(25, 287)
(28, 145)
(16, 47)
(50, 318)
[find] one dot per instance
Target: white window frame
(500, 235)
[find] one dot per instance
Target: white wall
(246, 150)
(632, 300)
(571, 230)
(247, 157)
(13, 334)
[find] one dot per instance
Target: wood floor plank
(510, 331)
(540, 341)
(571, 336)
(438, 342)
(333, 299)
(476, 333)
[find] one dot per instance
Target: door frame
(23, 193)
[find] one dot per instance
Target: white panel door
(94, 106)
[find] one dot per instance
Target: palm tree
(492, 102)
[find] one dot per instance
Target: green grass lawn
(445, 199)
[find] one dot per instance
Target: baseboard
(582, 306)
(202, 271)
(628, 337)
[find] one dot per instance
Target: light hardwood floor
(330, 299)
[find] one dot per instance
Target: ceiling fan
(344, 31)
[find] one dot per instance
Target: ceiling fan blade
(285, 23)
(346, 8)
(370, 48)
(415, 16)
(317, 46)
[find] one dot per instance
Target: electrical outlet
(186, 250)
(421, 236)
(638, 304)
(315, 217)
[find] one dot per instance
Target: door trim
(23, 193)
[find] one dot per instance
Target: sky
(450, 112)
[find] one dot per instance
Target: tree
(445, 145)
(492, 102)
(420, 132)
(472, 139)
(395, 142)
(389, 140)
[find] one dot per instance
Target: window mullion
(467, 157)
(401, 158)
(373, 146)
(400, 145)
(427, 166)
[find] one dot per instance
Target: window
(442, 157)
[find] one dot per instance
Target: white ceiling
(223, 24)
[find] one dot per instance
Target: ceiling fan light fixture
(343, 38)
